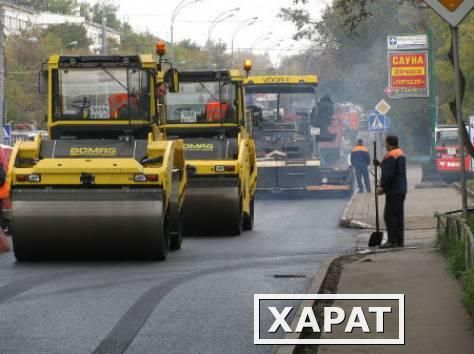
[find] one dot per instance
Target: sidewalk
(435, 319)
(420, 206)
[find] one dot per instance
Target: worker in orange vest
(217, 111)
(393, 184)
(360, 161)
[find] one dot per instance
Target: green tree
(71, 35)
(85, 10)
(67, 7)
(111, 11)
(352, 12)
(353, 67)
(24, 54)
(132, 42)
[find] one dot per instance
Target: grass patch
(454, 250)
(468, 293)
(456, 259)
(470, 184)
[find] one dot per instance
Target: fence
(452, 227)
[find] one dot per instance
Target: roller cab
(209, 114)
(107, 184)
(288, 133)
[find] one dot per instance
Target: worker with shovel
(393, 184)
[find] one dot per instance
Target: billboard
(408, 74)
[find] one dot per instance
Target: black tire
(161, 245)
(238, 222)
(177, 236)
(21, 251)
(249, 218)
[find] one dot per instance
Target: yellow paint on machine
(282, 79)
(208, 167)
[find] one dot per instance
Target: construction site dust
(205, 176)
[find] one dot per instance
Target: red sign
(408, 74)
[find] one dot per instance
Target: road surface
(199, 301)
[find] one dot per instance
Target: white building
(17, 18)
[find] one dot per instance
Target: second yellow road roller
(106, 183)
(209, 114)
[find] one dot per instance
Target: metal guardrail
(452, 227)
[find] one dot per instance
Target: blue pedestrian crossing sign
(7, 132)
(377, 123)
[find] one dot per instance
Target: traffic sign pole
(454, 12)
(432, 88)
(461, 128)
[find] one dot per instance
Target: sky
(193, 22)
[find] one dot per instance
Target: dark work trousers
(394, 218)
(362, 172)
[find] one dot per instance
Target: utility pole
(433, 97)
(2, 71)
(461, 127)
(104, 28)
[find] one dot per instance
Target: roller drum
(105, 223)
(212, 206)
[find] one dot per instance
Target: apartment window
(9, 22)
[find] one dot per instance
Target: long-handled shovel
(376, 236)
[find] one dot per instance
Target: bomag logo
(86, 151)
(199, 147)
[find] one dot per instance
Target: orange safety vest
(395, 153)
(216, 112)
(360, 148)
(118, 101)
(4, 191)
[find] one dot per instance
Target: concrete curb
(314, 288)
(346, 216)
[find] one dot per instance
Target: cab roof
(281, 79)
(112, 60)
(210, 75)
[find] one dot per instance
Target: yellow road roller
(209, 114)
(106, 183)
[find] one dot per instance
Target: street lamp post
(104, 4)
(245, 23)
(274, 44)
(223, 16)
(181, 5)
(262, 38)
